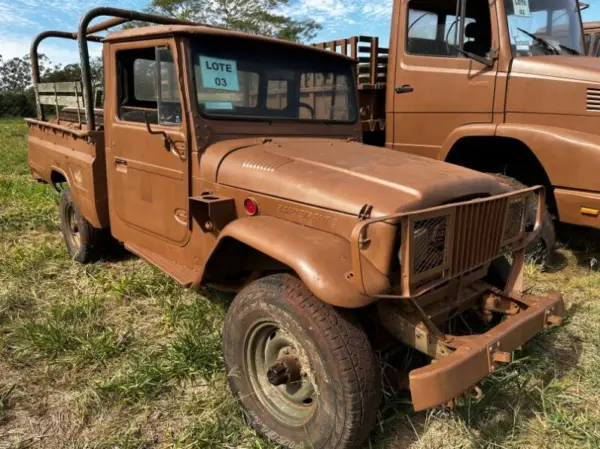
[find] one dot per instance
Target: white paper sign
(219, 73)
(521, 8)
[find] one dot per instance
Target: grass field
(116, 355)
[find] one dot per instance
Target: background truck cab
(501, 87)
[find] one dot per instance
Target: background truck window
(434, 29)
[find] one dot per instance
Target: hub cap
(280, 374)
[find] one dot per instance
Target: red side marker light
(251, 206)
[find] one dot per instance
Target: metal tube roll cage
(86, 34)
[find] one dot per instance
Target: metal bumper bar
(476, 356)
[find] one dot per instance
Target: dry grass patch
(116, 355)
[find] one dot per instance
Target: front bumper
(578, 207)
(476, 356)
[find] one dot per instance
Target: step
(181, 274)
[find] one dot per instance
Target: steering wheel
(310, 109)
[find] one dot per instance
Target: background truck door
(148, 171)
(436, 88)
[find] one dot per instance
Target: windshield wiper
(570, 50)
(547, 44)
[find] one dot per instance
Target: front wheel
(303, 371)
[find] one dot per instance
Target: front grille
(477, 234)
(461, 238)
(593, 100)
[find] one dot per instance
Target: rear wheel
(84, 242)
(303, 371)
(541, 249)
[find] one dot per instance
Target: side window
(435, 29)
(148, 87)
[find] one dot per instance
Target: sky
(22, 20)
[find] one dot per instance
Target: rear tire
(277, 329)
(84, 242)
(541, 249)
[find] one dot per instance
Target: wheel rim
(72, 228)
(280, 374)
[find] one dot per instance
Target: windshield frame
(316, 57)
(572, 23)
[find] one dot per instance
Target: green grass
(117, 355)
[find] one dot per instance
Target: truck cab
(501, 87)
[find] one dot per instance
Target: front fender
(322, 260)
(570, 158)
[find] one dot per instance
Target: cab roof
(169, 30)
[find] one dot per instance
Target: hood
(342, 176)
(580, 68)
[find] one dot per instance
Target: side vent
(266, 162)
(593, 100)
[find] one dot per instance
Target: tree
(15, 75)
(263, 17)
(72, 72)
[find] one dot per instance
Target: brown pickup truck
(234, 160)
(492, 87)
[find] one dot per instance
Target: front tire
(84, 242)
(303, 371)
(540, 251)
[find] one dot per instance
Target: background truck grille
(593, 100)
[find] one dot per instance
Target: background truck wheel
(304, 372)
(84, 242)
(540, 251)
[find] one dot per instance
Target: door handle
(404, 89)
(120, 165)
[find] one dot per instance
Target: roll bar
(85, 34)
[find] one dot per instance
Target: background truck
(233, 160)
(493, 87)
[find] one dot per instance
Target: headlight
(430, 244)
(516, 218)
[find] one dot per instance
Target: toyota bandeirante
(234, 160)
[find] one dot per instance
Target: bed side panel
(79, 157)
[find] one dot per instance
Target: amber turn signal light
(251, 206)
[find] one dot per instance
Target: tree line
(264, 17)
(15, 73)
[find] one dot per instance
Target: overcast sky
(21, 20)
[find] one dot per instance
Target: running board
(181, 274)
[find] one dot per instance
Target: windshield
(544, 27)
(249, 79)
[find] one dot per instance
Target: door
(437, 88)
(147, 157)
